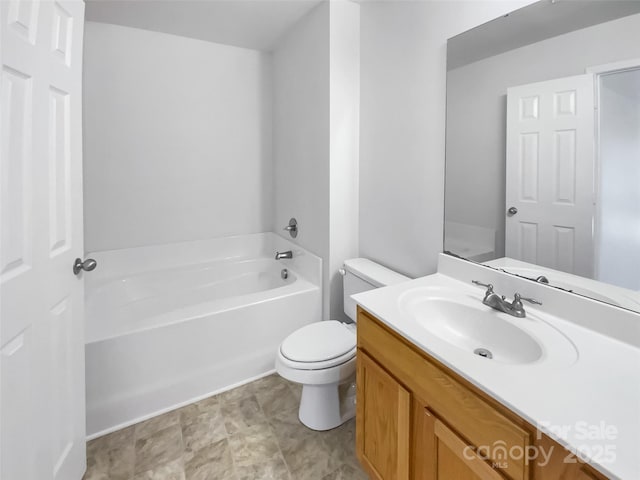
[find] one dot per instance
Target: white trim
(597, 217)
(614, 67)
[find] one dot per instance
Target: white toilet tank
(362, 275)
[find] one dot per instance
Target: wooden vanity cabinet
(384, 431)
(418, 420)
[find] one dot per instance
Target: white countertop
(578, 404)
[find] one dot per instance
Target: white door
(42, 419)
(549, 174)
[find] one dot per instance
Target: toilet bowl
(322, 355)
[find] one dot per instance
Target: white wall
(316, 124)
(301, 134)
(177, 139)
(618, 222)
(402, 121)
(344, 46)
(476, 111)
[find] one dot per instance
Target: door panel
(16, 424)
(550, 174)
(41, 319)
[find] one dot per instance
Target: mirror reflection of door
(564, 209)
(549, 174)
(572, 180)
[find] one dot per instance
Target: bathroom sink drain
(483, 352)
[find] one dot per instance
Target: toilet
(322, 355)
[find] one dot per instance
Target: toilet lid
(319, 342)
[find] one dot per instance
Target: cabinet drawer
(481, 425)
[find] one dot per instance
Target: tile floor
(251, 432)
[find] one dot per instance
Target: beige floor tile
(249, 433)
(275, 380)
(305, 451)
(213, 462)
(96, 476)
(237, 394)
(206, 405)
(276, 397)
(158, 448)
(269, 470)
(254, 445)
(169, 471)
(347, 472)
(155, 424)
(242, 414)
(341, 444)
(296, 388)
(115, 463)
(202, 431)
(256, 454)
(119, 438)
(267, 383)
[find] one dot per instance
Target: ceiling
(531, 24)
(255, 24)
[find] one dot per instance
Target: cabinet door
(449, 457)
(559, 464)
(382, 423)
(585, 474)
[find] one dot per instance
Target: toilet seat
(318, 346)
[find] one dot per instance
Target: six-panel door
(550, 174)
(42, 417)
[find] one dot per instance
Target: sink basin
(470, 329)
(465, 323)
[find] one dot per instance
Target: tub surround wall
(403, 72)
(177, 139)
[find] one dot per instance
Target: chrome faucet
(497, 302)
(281, 255)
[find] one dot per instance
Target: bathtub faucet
(281, 255)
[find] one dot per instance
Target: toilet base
(323, 407)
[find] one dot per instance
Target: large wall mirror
(543, 146)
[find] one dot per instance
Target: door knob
(512, 210)
(88, 265)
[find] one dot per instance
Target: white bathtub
(169, 324)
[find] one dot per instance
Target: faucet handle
(517, 298)
(292, 228)
(488, 285)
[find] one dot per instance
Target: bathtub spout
(281, 255)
